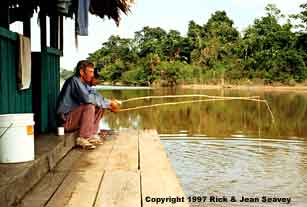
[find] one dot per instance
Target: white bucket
(16, 138)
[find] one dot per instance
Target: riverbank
(301, 88)
(251, 87)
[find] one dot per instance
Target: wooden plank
(36, 88)
(52, 62)
(97, 179)
(124, 155)
(25, 100)
(51, 106)
(43, 191)
(95, 160)
(48, 89)
(39, 196)
(54, 31)
(120, 189)
(58, 76)
(80, 187)
(29, 101)
(158, 179)
(16, 95)
(67, 163)
(11, 69)
(16, 100)
(43, 31)
(18, 179)
(4, 106)
(27, 27)
(44, 92)
(54, 51)
(55, 91)
(8, 34)
(61, 34)
(150, 145)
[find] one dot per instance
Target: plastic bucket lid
(10, 120)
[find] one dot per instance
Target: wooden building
(40, 98)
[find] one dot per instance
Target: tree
(150, 40)
(218, 40)
(221, 27)
(302, 34)
(195, 35)
(267, 47)
(267, 50)
(302, 17)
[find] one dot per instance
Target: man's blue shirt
(75, 92)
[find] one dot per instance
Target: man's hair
(82, 65)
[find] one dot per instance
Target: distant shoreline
(300, 88)
(121, 87)
(295, 88)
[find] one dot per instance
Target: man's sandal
(85, 144)
(95, 141)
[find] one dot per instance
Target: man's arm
(102, 102)
(99, 100)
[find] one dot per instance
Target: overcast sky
(168, 14)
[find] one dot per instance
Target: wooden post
(27, 27)
(54, 32)
(5, 15)
(43, 32)
(61, 33)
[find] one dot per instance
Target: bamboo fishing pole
(182, 96)
(213, 98)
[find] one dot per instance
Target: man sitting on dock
(80, 107)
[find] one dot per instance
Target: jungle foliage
(271, 49)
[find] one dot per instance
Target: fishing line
(215, 98)
(182, 96)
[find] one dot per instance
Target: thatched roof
(21, 9)
(102, 8)
(110, 8)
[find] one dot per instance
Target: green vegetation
(65, 74)
(267, 51)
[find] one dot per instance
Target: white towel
(24, 63)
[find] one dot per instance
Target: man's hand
(115, 105)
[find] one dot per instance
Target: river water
(228, 148)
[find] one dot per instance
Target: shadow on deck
(17, 179)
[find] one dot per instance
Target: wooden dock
(130, 170)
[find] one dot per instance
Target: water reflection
(216, 119)
(229, 148)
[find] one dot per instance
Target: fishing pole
(182, 96)
(212, 98)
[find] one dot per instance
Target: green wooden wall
(46, 68)
(44, 87)
(11, 99)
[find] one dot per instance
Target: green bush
(135, 76)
